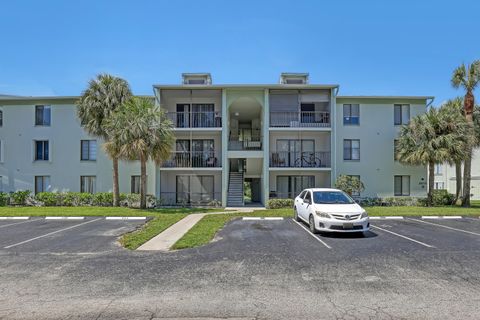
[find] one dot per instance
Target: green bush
(442, 198)
(85, 199)
(49, 199)
(3, 199)
(20, 197)
(279, 203)
(103, 199)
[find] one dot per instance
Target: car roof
(322, 189)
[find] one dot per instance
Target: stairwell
(235, 189)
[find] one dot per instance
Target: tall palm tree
(467, 77)
(429, 139)
(140, 131)
(104, 94)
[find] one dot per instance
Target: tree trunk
(467, 168)
(143, 183)
(468, 105)
(116, 191)
(458, 178)
(431, 183)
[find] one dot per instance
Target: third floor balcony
(204, 119)
(300, 119)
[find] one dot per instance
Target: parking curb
(64, 218)
(263, 218)
(387, 218)
(125, 218)
(441, 217)
(14, 218)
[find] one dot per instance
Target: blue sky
(368, 47)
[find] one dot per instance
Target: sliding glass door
(291, 186)
(192, 189)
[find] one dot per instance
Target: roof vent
(196, 78)
(294, 78)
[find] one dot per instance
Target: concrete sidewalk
(167, 238)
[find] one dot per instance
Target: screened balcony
(302, 119)
(287, 159)
(193, 159)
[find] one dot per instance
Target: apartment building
(445, 176)
(274, 139)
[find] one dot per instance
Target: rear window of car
(331, 197)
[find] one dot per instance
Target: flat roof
(387, 97)
(45, 99)
(245, 86)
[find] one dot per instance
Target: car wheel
(295, 215)
(311, 222)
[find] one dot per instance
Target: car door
(307, 203)
(299, 203)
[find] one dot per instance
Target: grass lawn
(135, 239)
(204, 231)
(96, 211)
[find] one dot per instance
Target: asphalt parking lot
(254, 269)
(64, 235)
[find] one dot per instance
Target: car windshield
(331, 197)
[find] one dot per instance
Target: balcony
(195, 119)
(286, 159)
(304, 119)
(193, 159)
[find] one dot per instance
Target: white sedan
(330, 210)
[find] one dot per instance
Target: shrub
(19, 197)
(349, 184)
(370, 202)
(279, 203)
(3, 199)
(103, 199)
(442, 198)
(85, 199)
(49, 198)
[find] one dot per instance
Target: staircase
(235, 190)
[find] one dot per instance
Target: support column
(225, 162)
(266, 147)
(333, 137)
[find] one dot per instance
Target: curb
(14, 218)
(387, 218)
(442, 217)
(263, 218)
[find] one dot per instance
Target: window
(351, 114)
(1, 151)
(308, 197)
(41, 150)
(402, 185)
(351, 149)
(135, 184)
(401, 114)
(290, 186)
(395, 149)
(439, 186)
(42, 184)
(42, 115)
(1, 117)
(438, 169)
(88, 150)
(355, 194)
(87, 184)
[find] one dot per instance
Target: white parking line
(14, 224)
(125, 218)
(273, 218)
(404, 237)
(314, 236)
(64, 218)
(387, 218)
(441, 217)
(251, 218)
(14, 218)
(51, 233)
(446, 227)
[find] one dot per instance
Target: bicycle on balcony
(308, 160)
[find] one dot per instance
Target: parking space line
(273, 218)
(387, 218)
(14, 224)
(446, 227)
(314, 236)
(64, 218)
(49, 234)
(14, 218)
(251, 218)
(125, 218)
(441, 217)
(404, 237)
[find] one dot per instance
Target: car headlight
(364, 215)
(323, 214)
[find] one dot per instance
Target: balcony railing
(193, 159)
(249, 144)
(304, 119)
(285, 159)
(188, 199)
(195, 119)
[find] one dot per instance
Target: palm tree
(140, 131)
(467, 77)
(430, 138)
(102, 97)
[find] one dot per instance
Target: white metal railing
(300, 119)
(306, 159)
(195, 119)
(193, 159)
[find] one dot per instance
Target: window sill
(42, 125)
(88, 160)
(351, 160)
